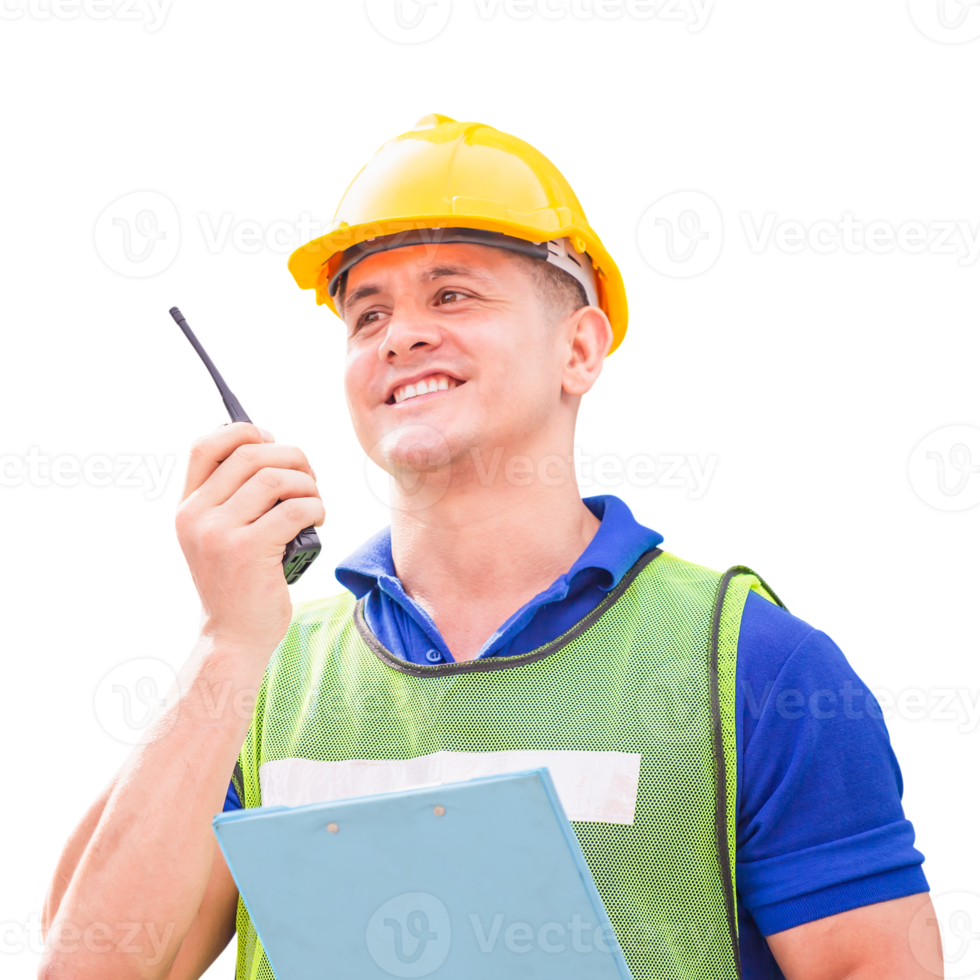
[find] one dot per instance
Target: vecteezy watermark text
(956, 704)
(851, 702)
(133, 938)
(18, 937)
(132, 472)
(150, 12)
(410, 935)
(424, 485)
(851, 235)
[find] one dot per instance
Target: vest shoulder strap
(726, 620)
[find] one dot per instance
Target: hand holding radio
(246, 523)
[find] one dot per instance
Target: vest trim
(721, 780)
(498, 663)
(238, 780)
(721, 774)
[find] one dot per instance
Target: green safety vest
(649, 672)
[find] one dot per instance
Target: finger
(244, 462)
(268, 434)
(208, 451)
(281, 524)
(260, 493)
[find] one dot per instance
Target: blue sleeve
(820, 823)
(232, 802)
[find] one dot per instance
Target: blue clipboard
(475, 880)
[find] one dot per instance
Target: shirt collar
(615, 547)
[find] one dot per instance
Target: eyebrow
(451, 270)
(362, 292)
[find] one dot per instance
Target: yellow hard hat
(459, 175)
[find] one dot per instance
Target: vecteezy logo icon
(408, 21)
(944, 468)
(139, 234)
(957, 916)
(407, 25)
(680, 235)
(689, 224)
(378, 481)
(947, 21)
(409, 935)
(132, 695)
(146, 226)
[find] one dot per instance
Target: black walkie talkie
(303, 549)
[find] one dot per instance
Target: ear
(588, 336)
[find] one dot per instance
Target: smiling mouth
(426, 386)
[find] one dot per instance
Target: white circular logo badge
(947, 21)
(378, 481)
(957, 915)
(944, 469)
(138, 235)
(408, 21)
(424, 477)
(680, 235)
(409, 935)
(132, 695)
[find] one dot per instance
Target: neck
(488, 544)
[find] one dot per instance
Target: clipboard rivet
(439, 811)
(332, 828)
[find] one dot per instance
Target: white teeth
(423, 387)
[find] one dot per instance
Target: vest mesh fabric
(632, 677)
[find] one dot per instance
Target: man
(499, 617)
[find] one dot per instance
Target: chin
(415, 446)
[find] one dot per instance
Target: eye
(366, 319)
(450, 296)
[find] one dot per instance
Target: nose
(410, 329)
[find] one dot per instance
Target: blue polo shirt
(820, 823)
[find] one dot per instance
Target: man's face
(452, 348)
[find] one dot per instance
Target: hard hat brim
(312, 265)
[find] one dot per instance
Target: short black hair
(565, 292)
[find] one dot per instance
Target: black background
(811, 376)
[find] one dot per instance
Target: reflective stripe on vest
(633, 711)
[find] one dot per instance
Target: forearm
(150, 848)
(893, 940)
(132, 882)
